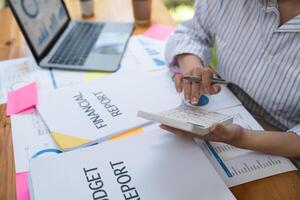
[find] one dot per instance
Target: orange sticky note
(127, 134)
(159, 31)
(22, 100)
(22, 186)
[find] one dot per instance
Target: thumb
(219, 130)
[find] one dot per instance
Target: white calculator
(191, 119)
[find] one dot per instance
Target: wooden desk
(12, 45)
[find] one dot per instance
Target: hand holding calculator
(194, 120)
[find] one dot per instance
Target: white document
(20, 72)
(31, 138)
(130, 61)
(165, 76)
(237, 166)
(101, 109)
(144, 53)
(51, 79)
(154, 165)
(64, 78)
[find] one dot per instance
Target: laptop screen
(41, 20)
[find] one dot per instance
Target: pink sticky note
(22, 186)
(159, 31)
(22, 100)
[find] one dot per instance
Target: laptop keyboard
(77, 45)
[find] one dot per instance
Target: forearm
(279, 143)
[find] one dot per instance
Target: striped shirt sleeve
(295, 129)
(195, 36)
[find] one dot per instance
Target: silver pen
(212, 80)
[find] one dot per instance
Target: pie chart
(46, 151)
(30, 8)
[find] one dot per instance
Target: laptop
(56, 41)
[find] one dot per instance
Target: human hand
(231, 134)
(192, 65)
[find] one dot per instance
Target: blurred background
(2, 3)
(179, 9)
(182, 10)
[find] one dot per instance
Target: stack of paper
(89, 113)
(154, 165)
(32, 138)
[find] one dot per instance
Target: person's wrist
(240, 138)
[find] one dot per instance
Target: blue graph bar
(218, 159)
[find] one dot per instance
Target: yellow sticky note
(90, 76)
(66, 141)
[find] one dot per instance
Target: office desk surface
(12, 45)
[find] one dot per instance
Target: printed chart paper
(93, 112)
(31, 138)
(237, 166)
(144, 53)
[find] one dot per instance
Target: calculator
(191, 119)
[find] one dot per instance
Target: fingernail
(195, 101)
(213, 128)
(206, 90)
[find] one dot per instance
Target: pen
(212, 80)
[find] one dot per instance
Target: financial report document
(237, 166)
